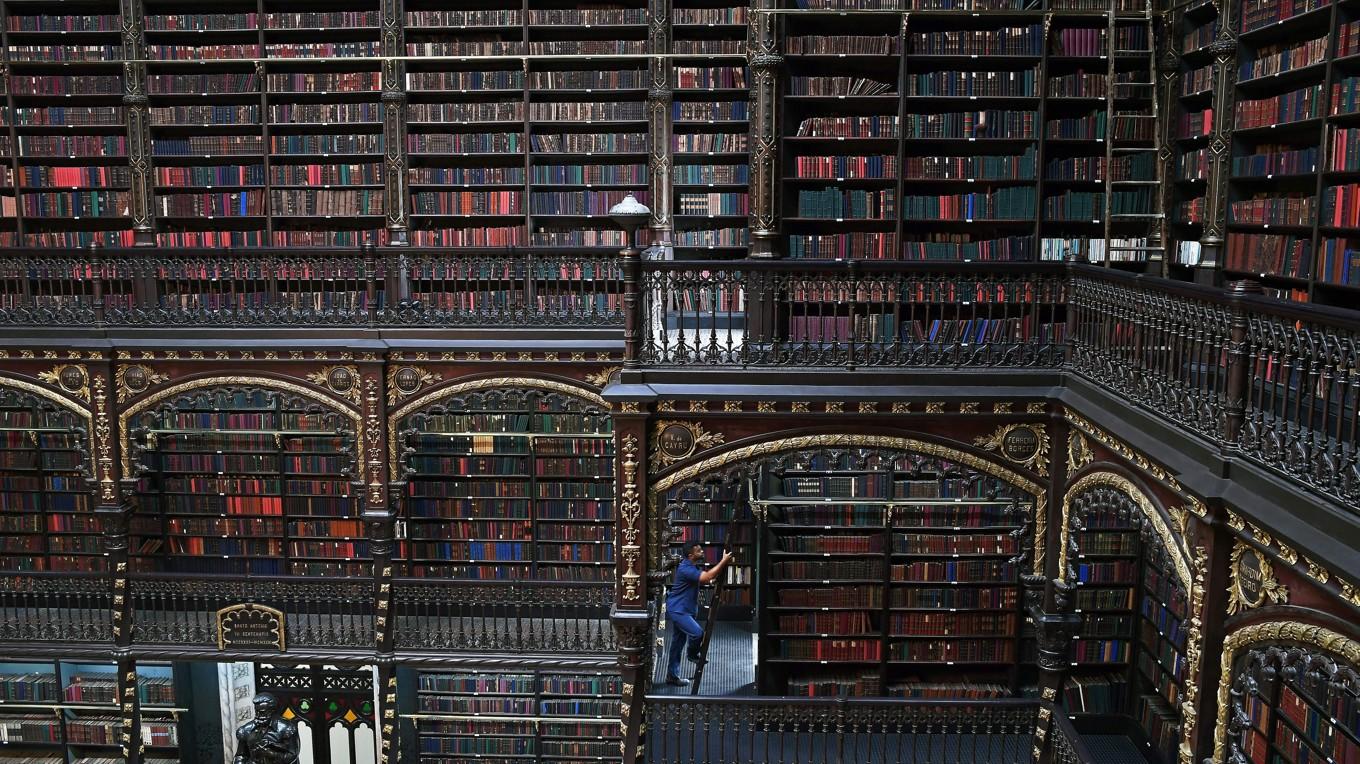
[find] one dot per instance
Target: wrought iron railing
(1277, 382)
(852, 314)
(181, 610)
(504, 616)
(55, 607)
(683, 730)
(318, 288)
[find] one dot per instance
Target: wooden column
(137, 112)
(1219, 169)
(1168, 93)
(660, 95)
(396, 203)
(629, 615)
(764, 62)
(1239, 363)
(1214, 554)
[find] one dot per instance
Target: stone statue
(268, 738)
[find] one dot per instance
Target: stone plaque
(250, 626)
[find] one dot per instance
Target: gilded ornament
(968, 408)
(630, 511)
(630, 407)
(665, 407)
(1317, 572)
(1001, 408)
(799, 407)
(599, 378)
(1193, 653)
(1078, 451)
(1235, 522)
(1260, 535)
(935, 407)
(1023, 444)
(835, 407)
(103, 441)
(868, 407)
(578, 356)
(341, 380)
(901, 407)
(698, 407)
(525, 356)
(1287, 553)
(405, 381)
(135, 379)
(69, 377)
(765, 407)
(732, 407)
(674, 441)
(1251, 580)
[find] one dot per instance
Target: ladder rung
(1134, 183)
(1134, 149)
(1138, 215)
(1134, 249)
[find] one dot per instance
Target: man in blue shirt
(682, 604)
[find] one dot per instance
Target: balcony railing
(321, 288)
(504, 616)
(176, 609)
(852, 314)
(854, 731)
(64, 607)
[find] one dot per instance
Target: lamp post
(630, 215)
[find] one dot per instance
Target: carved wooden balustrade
(730, 730)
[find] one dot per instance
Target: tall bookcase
(246, 481)
(531, 716)
(1130, 652)
(67, 133)
(1294, 204)
(1195, 26)
(66, 712)
(516, 485)
(1003, 135)
(46, 516)
(710, 119)
(466, 122)
(893, 576)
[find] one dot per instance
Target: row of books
(1295, 106)
(1341, 206)
(971, 83)
(1005, 41)
(1276, 159)
(1261, 13)
(1300, 209)
(1277, 59)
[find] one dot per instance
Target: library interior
(407, 382)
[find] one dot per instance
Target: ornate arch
(1174, 546)
(337, 405)
(738, 455)
(1339, 665)
(487, 384)
(88, 430)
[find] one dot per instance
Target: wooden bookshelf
(890, 579)
(45, 510)
(67, 130)
(516, 486)
(243, 482)
(66, 711)
(1130, 652)
(705, 514)
(533, 715)
(710, 124)
(1192, 116)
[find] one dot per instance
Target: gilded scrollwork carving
(601, 378)
(403, 381)
(70, 378)
(103, 440)
(1024, 444)
(134, 379)
(340, 380)
(630, 512)
(674, 441)
(1251, 580)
